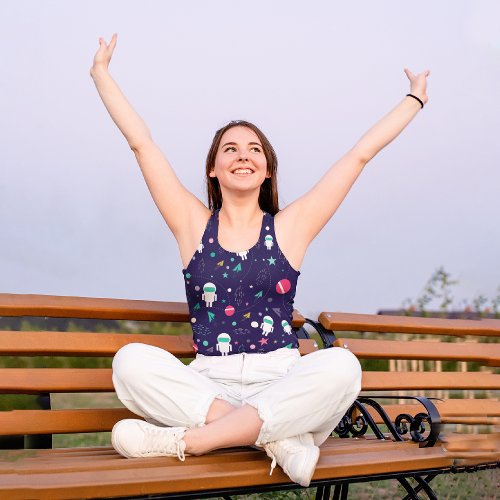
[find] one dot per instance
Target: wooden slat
(37, 380)
(467, 411)
(478, 448)
(55, 306)
(45, 474)
(100, 344)
(91, 307)
(486, 354)
(390, 381)
(87, 344)
(61, 421)
(338, 321)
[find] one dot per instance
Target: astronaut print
(240, 301)
(286, 327)
(267, 325)
(209, 295)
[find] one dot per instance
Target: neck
(244, 216)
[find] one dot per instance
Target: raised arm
(306, 216)
(178, 206)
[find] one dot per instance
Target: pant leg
(312, 397)
(154, 384)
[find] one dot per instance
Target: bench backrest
(452, 359)
(44, 381)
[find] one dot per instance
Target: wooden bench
(386, 451)
(423, 344)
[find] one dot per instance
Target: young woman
(248, 385)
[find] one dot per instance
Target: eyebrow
(234, 144)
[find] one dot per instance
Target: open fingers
(112, 43)
(409, 74)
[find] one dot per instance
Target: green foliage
(437, 293)
(54, 362)
(374, 365)
(81, 440)
(18, 402)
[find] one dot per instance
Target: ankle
(218, 409)
(194, 445)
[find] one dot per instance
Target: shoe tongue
(160, 441)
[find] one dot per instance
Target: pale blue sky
(75, 212)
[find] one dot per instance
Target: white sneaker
(136, 438)
(297, 456)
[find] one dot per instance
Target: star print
(225, 275)
(263, 341)
(271, 261)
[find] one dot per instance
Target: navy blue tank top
(240, 301)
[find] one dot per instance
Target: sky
(77, 218)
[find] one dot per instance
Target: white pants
(292, 394)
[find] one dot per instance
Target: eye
(256, 149)
(230, 148)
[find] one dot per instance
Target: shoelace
(287, 445)
(157, 440)
(270, 454)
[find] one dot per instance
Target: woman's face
(240, 162)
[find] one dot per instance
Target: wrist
(421, 95)
(98, 70)
(416, 99)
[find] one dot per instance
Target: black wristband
(415, 97)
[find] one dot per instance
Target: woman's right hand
(103, 55)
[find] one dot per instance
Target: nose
(243, 156)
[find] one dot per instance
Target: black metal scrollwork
(352, 425)
(423, 428)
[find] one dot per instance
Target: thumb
(112, 43)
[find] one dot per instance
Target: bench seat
(100, 472)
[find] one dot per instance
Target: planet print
(283, 286)
(229, 310)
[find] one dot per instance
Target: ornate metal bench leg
(423, 484)
(409, 488)
(341, 491)
(323, 492)
(336, 491)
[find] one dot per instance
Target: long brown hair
(268, 196)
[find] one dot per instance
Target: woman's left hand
(418, 84)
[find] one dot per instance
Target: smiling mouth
(243, 171)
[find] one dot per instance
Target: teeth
(241, 171)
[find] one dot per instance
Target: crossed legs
(226, 426)
(155, 385)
